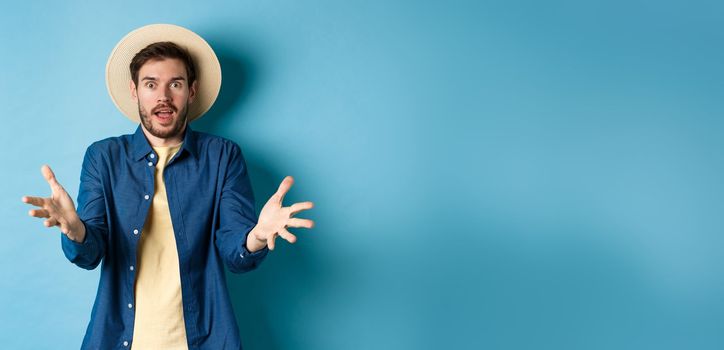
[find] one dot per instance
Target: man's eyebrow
(154, 78)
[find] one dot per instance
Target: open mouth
(164, 115)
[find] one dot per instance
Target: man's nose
(164, 95)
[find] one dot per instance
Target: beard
(176, 128)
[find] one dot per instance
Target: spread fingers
(36, 201)
(296, 222)
(39, 213)
(51, 222)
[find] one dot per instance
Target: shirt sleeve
(237, 217)
(92, 212)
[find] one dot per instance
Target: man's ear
(192, 91)
(134, 92)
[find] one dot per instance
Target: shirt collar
(142, 148)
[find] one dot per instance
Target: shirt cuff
(73, 250)
(246, 254)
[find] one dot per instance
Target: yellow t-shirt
(159, 322)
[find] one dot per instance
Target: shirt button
(150, 163)
(135, 231)
(131, 268)
(152, 155)
(146, 197)
(241, 255)
(125, 343)
(130, 306)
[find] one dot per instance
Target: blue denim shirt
(212, 211)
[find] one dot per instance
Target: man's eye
(176, 85)
(150, 85)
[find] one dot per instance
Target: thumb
(283, 189)
(50, 177)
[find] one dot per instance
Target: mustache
(160, 107)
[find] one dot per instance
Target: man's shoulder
(211, 143)
(110, 143)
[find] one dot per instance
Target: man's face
(163, 95)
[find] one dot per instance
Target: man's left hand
(274, 220)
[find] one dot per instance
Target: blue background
(498, 175)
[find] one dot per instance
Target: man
(165, 208)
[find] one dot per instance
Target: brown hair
(160, 51)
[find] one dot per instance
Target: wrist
(77, 232)
(253, 244)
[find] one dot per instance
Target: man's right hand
(58, 209)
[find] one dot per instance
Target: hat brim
(208, 69)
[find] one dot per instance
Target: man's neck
(164, 142)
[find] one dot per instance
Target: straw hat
(208, 69)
